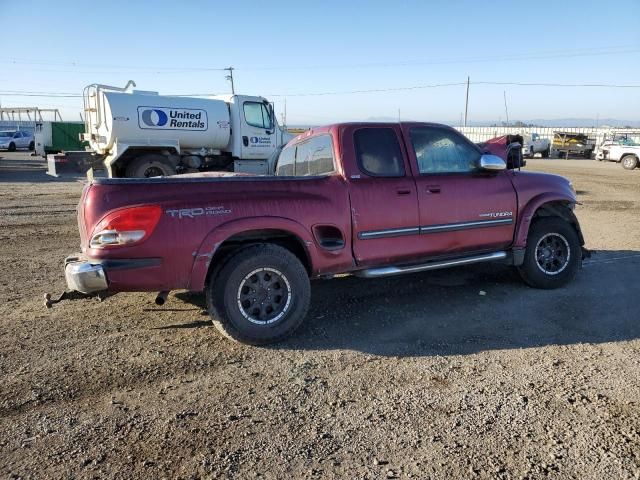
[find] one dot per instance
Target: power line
(25, 93)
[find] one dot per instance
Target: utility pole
(230, 78)
(505, 106)
(466, 104)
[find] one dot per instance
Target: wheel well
(121, 164)
(628, 155)
(561, 209)
(281, 238)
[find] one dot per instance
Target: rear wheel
(545, 153)
(260, 295)
(629, 162)
(32, 146)
(553, 254)
(587, 154)
(152, 165)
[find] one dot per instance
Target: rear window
(312, 157)
(285, 167)
(378, 152)
(315, 157)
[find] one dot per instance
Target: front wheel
(553, 254)
(12, 147)
(32, 146)
(629, 162)
(260, 295)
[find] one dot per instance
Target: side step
(388, 271)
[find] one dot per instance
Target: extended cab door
(462, 209)
(258, 129)
(384, 204)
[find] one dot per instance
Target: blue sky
(284, 49)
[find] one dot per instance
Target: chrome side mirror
(492, 163)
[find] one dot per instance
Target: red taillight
(126, 226)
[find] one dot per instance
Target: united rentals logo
(163, 118)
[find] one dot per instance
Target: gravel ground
(417, 376)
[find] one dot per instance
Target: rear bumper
(88, 275)
(85, 277)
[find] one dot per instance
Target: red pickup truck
(369, 199)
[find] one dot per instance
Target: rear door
(462, 209)
(384, 204)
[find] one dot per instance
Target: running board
(388, 271)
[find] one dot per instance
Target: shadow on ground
(468, 310)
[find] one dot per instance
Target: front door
(462, 209)
(384, 203)
(258, 127)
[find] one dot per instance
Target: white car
(14, 139)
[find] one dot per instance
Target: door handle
(403, 191)
(433, 188)
(245, 140)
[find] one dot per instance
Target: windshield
(7, 133)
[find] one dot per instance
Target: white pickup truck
(533, 144)
(620, 148)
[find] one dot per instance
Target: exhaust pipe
(162, 297)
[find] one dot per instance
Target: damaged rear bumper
(85, 277)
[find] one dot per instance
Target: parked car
(567, 143)
(368, 199)
(534, 143)
(620, 147)
(14, 139)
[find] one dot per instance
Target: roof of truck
(337, 126)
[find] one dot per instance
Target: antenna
(504, 92)
(466, 103)
(230, 78)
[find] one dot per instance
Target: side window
(441, 150)
(284, 167)
(257, 115)
(315, 156)
(17, 135)
(378, 152)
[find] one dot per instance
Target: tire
(629, 162)
(152, 165)
(12, 147)
(587, 154)
(233, 303)
(543, 267)
(545, 153)
(32, 146)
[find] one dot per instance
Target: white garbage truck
(137, 133)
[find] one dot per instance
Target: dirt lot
(417, 376)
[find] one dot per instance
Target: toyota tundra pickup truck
(369, 199)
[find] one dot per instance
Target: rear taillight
(126, 226)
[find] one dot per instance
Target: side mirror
(492, 163)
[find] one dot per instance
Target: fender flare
(221, 233)
(527, 213)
